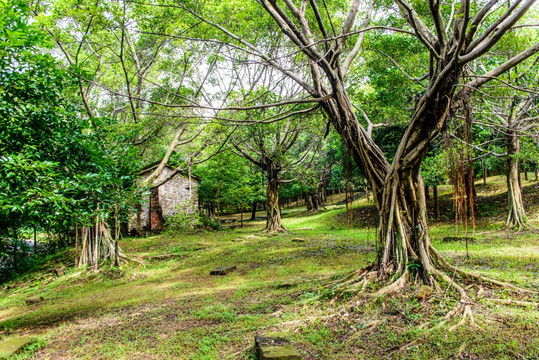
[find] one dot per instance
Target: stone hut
(179, 193)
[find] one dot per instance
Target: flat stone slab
(275, 347)
(298, 240)
(457, 238)
(14, 345)
(223, 270)
(166, 257)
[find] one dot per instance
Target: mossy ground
(172, 309)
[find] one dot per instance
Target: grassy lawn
(171, 308)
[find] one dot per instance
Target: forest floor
(171, 308)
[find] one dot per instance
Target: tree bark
(312, 201)
(273, 222)
(484, 168)
(398, 190)
(253, 211)
(516, 219)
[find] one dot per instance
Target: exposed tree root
(473, 276)
(357, 281)
(274, 230)
(514, 302)
(128, 259)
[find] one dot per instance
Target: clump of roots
(361, 282)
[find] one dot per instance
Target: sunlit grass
(173, 309)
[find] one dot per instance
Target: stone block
(14, 345)
(275, 346)
(223, 270)
(457, 238)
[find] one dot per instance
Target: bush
(186, 220)
(15, 257)
(210, 223)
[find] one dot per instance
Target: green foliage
(210, 223)
(57, 167)
(185, 220)
(228, 179)
(434, 168)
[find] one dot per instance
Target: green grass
(173, 309)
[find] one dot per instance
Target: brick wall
(163, 201)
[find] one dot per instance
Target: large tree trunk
(516, 218)
(253, 211)
(273, 222)
(484, 171)
(403, 233)
(97, 245)
(312, 200)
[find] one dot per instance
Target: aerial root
(348, 279)
(453, 269)
(463, 308)
(353, 280)
(358, 283)
(128, 259)
(467, 318)
(274, 230)
(395, 287)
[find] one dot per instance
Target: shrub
(185, 219)
(210, 223)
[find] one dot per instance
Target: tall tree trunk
(273, 222)
(253, 211)
(484, 168)
(516, 219)
(309, 202)
(398, 190)
(35, 239)
(116, 239)
(313, 201)
(525, 169)
(241, 217)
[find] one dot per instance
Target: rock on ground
(14, 345)
(275, 346)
